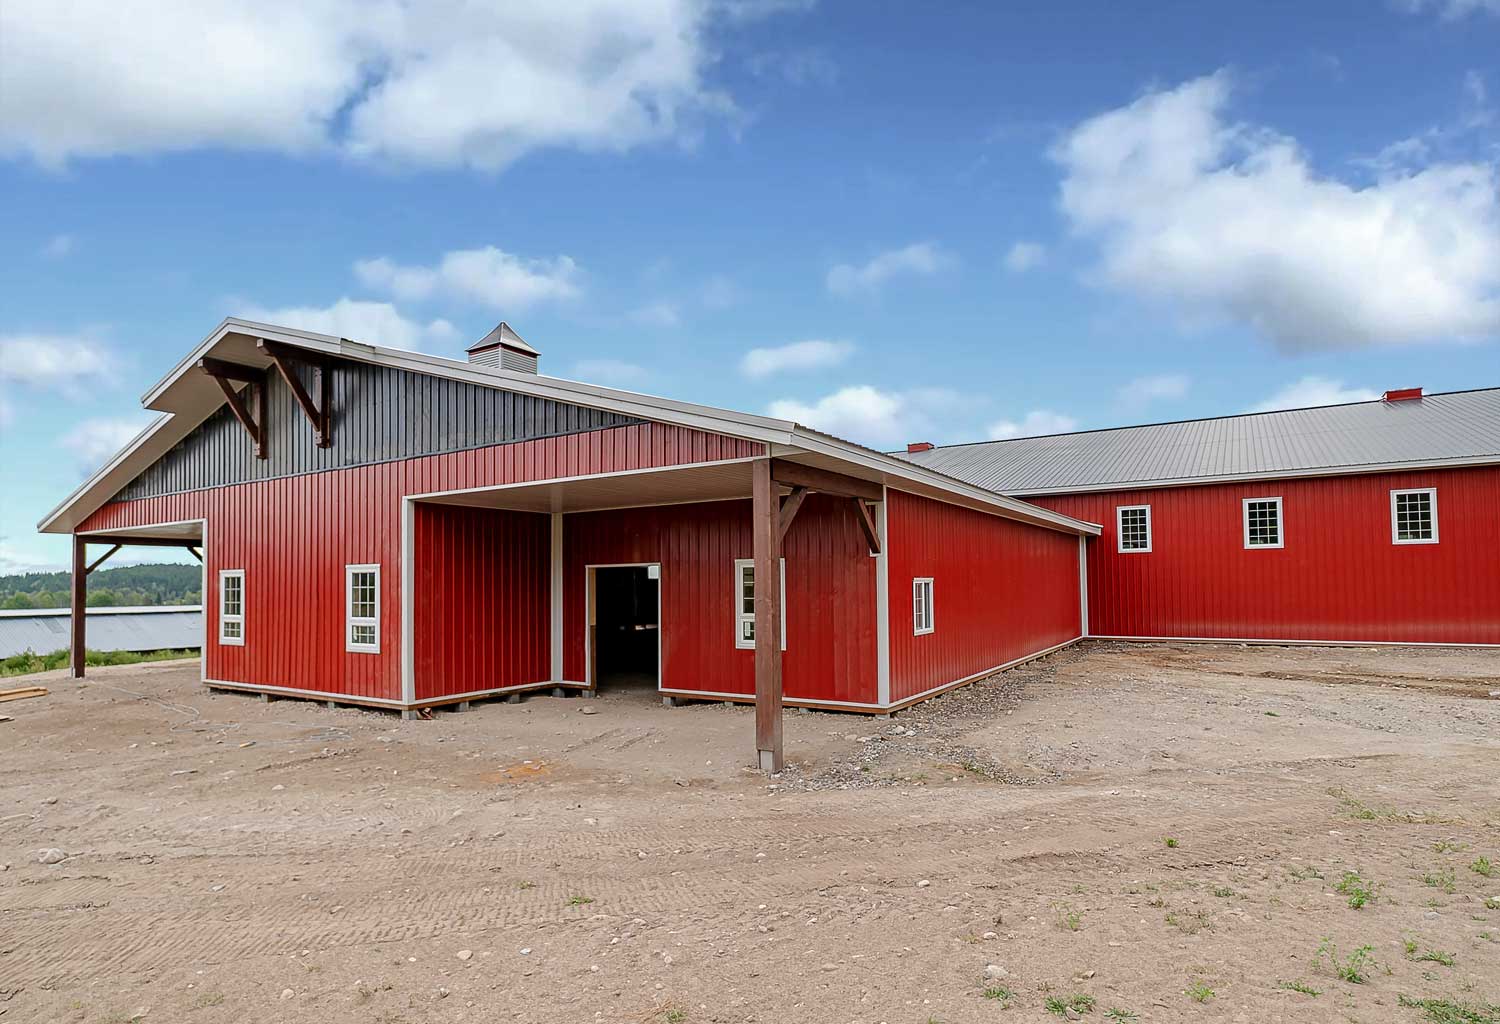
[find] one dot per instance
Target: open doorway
(625, 626)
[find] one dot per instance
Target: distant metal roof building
(149, 628)
(1452, 429)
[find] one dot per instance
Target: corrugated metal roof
(1442, 428)
(151, 628)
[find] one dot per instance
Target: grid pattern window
(1263, 526)
(1414, 517)
(1134, 527)
(921, 605)
(232, 607)
(744, 603)
(362, 630)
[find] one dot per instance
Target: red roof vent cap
(918, 446)
(1401, 395)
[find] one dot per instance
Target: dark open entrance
(627, 650)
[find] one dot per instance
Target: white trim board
(1271, 642)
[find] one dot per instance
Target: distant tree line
(126, 585)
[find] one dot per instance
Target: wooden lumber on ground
(22, 693)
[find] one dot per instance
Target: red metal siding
(830, 595)
(1001, 590)
(1339, 577)
(293, 536)
(483, 607)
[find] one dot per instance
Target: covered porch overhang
(775, 488)
(187, 535)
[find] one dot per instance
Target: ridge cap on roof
(1193, 419)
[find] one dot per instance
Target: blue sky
(897, 222)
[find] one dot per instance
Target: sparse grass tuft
(1492, 903)
(1171, 842)
(1359, 890)
(1299, 986)
(1199, 992)
(1354, 969)
(1442, 880)
(1114, 1013)
(1482, 866)
(1448, 846)
(1302, 874)
(1078, 1003)
(1191, 923)
(1223, 891)
(580, 901)
(1001, 994)
(208, 999)
(1069, 920)
(1446, 1011)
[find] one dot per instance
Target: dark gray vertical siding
(379, 414)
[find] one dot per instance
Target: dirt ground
(1162, 831)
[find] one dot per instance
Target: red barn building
(1372, 522)
(400, 530)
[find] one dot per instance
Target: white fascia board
(119, 464)
(900, 469)
(1271, 474)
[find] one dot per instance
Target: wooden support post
(766, 531)
(78, 645)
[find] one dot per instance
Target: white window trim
(1120, 547)
(350, 621)
(1396, 533)
(1280, 523)
(233, 641)
(739, 614)
(931, 626)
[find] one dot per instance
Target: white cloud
(57, 247)
(870, 416)
(488, 276)
(1034, 424)
(656, 314)
(919, 259)
(1142, 391)
(374, 323)
(444, 82)
(1025, 256)
(1312, 391)
(611, 372)
(1229, 220)
(815, 354)
(14, 561)
(57, 362)
(96, 440)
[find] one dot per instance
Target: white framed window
(1133, 528)
(232, 607)
(1263, 526)
(744, 603)
(1414, 517)
(921, 605)
(362, 608)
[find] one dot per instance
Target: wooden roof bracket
(802, 479)
(319, 414)
(224, 374)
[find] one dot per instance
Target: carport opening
(627, 627)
